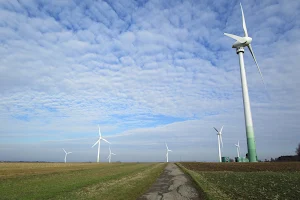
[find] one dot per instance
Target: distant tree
(272, 160)
(298, 150)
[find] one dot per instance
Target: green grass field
(76, 180)
(246, 180)
(131, 180)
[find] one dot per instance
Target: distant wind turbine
(98, 141)
(219, 134)
(66, 153)
(109, 156)
(239, 45)
(238, 148)
(167, 155)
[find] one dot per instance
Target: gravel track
(172, 184)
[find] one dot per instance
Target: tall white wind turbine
(239, 45)
(66, 153)
(219, 135)
(238, 148)
(109, 156)
(98, 141)
(167, 155)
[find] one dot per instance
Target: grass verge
(205, 188)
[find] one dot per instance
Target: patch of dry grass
(20, 169)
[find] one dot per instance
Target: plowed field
(244, 167)
(246, 180)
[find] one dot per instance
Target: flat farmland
(246, 180)
(76, 180)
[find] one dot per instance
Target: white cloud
(155, 69)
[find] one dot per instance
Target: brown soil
(243, 167)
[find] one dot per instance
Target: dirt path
(172, 184)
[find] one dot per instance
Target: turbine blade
(64, 150)
(221, 140)
(69, 152)
(105, 140)
(167, 146)
(244, 22)
(221, 130)
(251, 51)
(96, 143)
(99, 131)
(216, 129)
(113, 154)
(237, 38)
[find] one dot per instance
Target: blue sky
(148, 72)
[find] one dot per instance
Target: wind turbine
(219, 134)
(98, 141)
(66, 154)
(167, 155)
(238, 148)
(239, 45)
(109, 156)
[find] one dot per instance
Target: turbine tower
(98, 141)
(66, 153)
(239, 45)
(167, 155)
(219, 134)
(109, 156)
(238, 148)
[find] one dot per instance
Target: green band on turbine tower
(251, 144)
